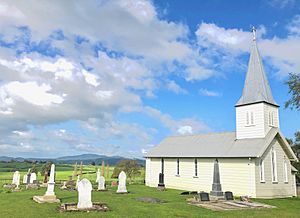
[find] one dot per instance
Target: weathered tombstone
(161, 184)
(84, 194)
(64, 186)
(70, 183)
(49, 196)
(16, 178)
(203, 196)
(122, 183)
(32, 178)
(51, 183)
(98, 175)
(46, 176)
(101, 183)
(28, 176)
(216, 186)
(25, 179)
(228, 196)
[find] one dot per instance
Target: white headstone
(101, 183)
(51, 182)
(25, 179)
(64, 186)
(122, 183)
(98, 175)
(32, 177)
(15, 177)
(84, 194)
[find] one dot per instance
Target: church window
(285, 171)
(252, 118)
(274, 165)
(262, 170)
(177, 166)
(247, 119)
(196, 167)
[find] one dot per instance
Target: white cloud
(32, 93)
(294, 26)
(185, 130)
(206, 92)
(280, 53)
(174, 87)
(90, 78)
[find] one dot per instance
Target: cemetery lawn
(20, 204)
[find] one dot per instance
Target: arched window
(274, 165)
(177, 166)
(286, 178)
(196, 167)
(262, 170)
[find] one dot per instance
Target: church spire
(256, 88)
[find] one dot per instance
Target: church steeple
(256, 110)
(256, 88)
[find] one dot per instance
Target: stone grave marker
(101, 183)
(98, 175)
(203, 196)
(84, 194)
(25, 179)
(49, 196)
(32, 178)
(122, 183)
(77, 181)
(228, 196)
(28, 176)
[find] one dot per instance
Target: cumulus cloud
(209, 93)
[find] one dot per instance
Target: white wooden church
(255, 160)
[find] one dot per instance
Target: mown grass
(20, 204)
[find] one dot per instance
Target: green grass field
(20, 204)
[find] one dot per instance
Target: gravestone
(64, 186)
(203, 196)
(122, 183)
(70, 183)
(32, 178)
(84, 194)
(25, 179)
(46, 176)
(228, 196)
(101, 183)
(98, 175)
(16, 178)
(49, 196)
(28, 176)
(216, 186)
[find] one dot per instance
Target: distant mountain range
(85, 158)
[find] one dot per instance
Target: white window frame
(177, 167)
(285, 169)
(196, 168)
(274, 165)
(250, 118)
(262, 170)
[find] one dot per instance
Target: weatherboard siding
(273, 110)
(257, 130)
(270, 189)
(236, 174)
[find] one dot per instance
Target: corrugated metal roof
(256, 88)
(212, 145)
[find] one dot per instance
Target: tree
(130, 167)
(93, 163)
(294, 90)
(295, 145)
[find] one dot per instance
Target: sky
(116, 77)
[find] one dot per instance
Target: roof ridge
(210, 133)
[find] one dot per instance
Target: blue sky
(116, 77)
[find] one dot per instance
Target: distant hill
(85, 158)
